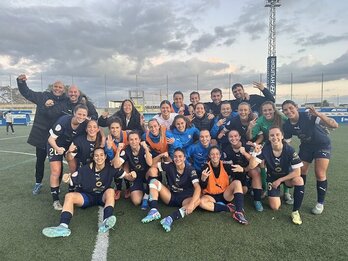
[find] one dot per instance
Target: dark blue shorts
(139, 183)
(176, 199)
(219, 198)
(273, 192)
(309, 152)
(53, 155)
(242, 177)
(92, 199)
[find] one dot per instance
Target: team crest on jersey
(190, 136)
(122, 153)
(58, 127)
(228, 123)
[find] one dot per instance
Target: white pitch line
(17, 152)
(17, 164)
(14, 137)
(102, 243)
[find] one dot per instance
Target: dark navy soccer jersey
(236, 124)
(85, 150)
(64, 133)
(282, 165)
(178, 183)
(136, 163)
(307, 129)
(89, 181)
(229, 156)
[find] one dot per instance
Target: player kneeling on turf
(93, 186)
(283, 166)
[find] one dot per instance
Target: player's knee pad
(155, 184)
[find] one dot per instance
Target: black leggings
(9, 124)
(41, 155)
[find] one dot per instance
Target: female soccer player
(315, 144)
(218, 192)
(237, 153)
(115, 137)
(139, 159)
(81, 150)
(221, 123)
(201, 119)
(178, 105)
(166, 116)
(160, 139)
(183, 190)
(93, 183)
(128, 114)
(242, 122)
(61, 135)
(183, 131)
(271, 116)
(283, 166)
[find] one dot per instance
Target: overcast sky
(106, 43)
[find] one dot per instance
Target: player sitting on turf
(93, 183)
(184, 190)
(218, 192)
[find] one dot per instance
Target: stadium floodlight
(272, 58)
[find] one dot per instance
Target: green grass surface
(200, 236)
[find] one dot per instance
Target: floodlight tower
(272, 58)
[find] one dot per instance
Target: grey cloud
(70, 37)
(336, 70)
(223, 35)
(203, 42)
(321, 39)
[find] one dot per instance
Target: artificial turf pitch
(200, 236)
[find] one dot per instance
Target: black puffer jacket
(45, 117)
(203, 123)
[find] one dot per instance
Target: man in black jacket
(48, 110)
(76, 98)
(254, 100)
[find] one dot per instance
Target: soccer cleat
(60, 231)
(37, 188)
(167, 223)
(117, 194)
(144, 204)
(107, 224)
(258, 206)
(231, 207)
(288, 199)
(127, 193)
(296, 218)
(318, 209)
(151, 216)
(56, 205)
(240, 218)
